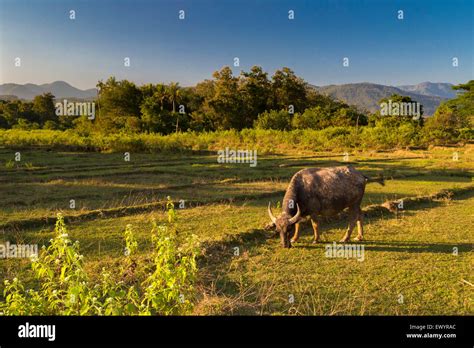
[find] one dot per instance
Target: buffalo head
(285, 224)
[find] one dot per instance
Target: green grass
(411, 255)
(225, 205)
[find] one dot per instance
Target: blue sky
(162, 48)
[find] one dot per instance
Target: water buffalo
(319, 192)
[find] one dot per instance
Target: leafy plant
(159, 285)
(170, 209)
(10, 164)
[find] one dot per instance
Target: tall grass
(265, 141)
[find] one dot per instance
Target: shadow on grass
(403, 247)
(417, 247)
(439, 177)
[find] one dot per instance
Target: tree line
(252, 99)
(223, 102)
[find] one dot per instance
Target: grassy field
(409, 267)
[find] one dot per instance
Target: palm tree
(161, 93)
(174, 95)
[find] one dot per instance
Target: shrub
(312, 118)
(273, 119)
(162, 285)
(24, 124)
(50, 125)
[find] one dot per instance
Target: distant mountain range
(366, 96)
(363, 95)
(59, 89)
(443, 90)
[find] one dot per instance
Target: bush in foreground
(162, 285)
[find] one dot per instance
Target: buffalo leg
(297, 233)
(360, 227)
(353, 216)
(314, 222)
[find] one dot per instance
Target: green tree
(202, 117)
(154, 117)
(160, 95)
(43, 107)
(453, 120)
(147, 90)
(225, 104)
(463, 104)
(117, 100)
(288, 89)
(255, 91)
(11, 112)
(174, 96)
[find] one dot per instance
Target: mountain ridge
(439, 89)
(60, 89)
(366, 95)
